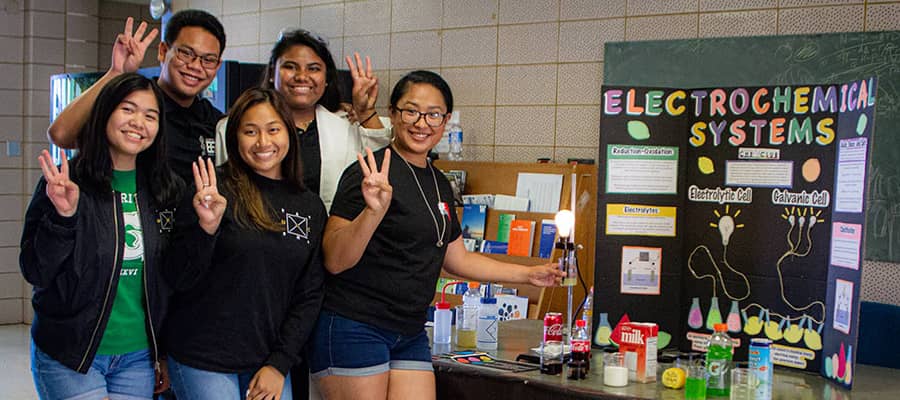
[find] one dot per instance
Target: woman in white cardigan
(302, 70)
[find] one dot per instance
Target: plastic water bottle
(487, 323)
(580, 363)
(442, 322)
(718, 361)
(467, 323)
(587, 310)
(455, 137)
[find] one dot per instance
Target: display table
(456, 381)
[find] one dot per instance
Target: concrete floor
(15, 381)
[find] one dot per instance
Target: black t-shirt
(311, 156)
(245, 297)
(393, 283)
(190, 132)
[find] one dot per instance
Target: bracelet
(370, 117)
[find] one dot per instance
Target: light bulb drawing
(726, 225)
(801, 219)
(726, 228)
(804, 322)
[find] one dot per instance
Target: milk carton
(638, 345)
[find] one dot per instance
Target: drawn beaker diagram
(643, 268)
(726, 225)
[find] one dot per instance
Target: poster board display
(764, 190)
(824, 58)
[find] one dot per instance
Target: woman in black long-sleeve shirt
(245, 264)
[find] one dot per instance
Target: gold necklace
(305, 125)
(440, 233)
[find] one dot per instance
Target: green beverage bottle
(718, 361)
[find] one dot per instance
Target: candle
(615, 376)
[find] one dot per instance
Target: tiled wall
(38, 38)
(112, 22)
(526, 73)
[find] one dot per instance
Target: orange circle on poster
(811, 169)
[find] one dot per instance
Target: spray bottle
(443, 317)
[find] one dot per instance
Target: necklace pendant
(440, 243)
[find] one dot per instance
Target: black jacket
(244, 298)
(74, 263)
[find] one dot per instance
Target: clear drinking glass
(695, 383)
(615, 373)
(743, 383)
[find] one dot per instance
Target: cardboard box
(638, 346)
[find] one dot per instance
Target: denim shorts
(190, 383)
(126, 376)
(344, 347)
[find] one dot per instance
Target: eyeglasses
(433, 119)
(187, 56)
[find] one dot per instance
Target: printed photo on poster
(640, 220)
(641, 267)
(843, 305)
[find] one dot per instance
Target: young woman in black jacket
(91, 247)
(245, 264)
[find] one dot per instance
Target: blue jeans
(345, 347)
(196, 384)
(126, 376)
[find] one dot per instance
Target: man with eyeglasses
(189, 57)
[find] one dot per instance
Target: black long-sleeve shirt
(246, 298)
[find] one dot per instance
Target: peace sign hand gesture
(63, 193)
(376, 189)
(365, 86)
(208, 203)
(128, 50)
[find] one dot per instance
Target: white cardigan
(339, 141)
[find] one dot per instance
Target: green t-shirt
(126, 330)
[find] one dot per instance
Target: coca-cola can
(553, 324)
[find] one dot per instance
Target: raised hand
(63, 193)
(376, 189)
(266, 384)
(128, 49)
(365, 86)
(545, 275)
(208, 203)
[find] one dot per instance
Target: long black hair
(331, 97)
(93, 165)
(250, 209)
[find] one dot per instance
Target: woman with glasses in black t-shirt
(390, 232)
